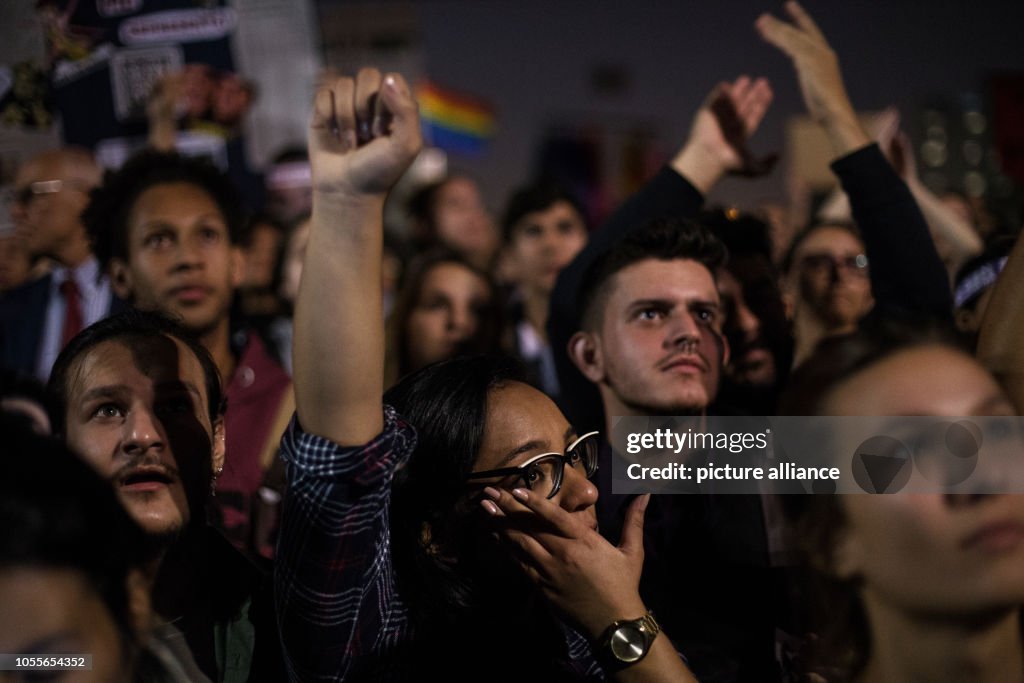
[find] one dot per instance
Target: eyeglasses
(25, 195)
(826, 263)
(545, 472)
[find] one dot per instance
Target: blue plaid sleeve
(333, 578)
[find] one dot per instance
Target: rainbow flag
(453, 121)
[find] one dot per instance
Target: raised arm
(716, 146)
(817, 70)
(363, 134)
(955, 239)
(906, 273)
(1002, 326)
(333, 584)
(162, 112)
(721, 129)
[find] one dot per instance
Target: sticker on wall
(133, 73)
(117, 8)
(111, 153)
(66, 71)
(178, 26)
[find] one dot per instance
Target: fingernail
(490, 507)
(492, 492)
(390, 82)
(521, 494)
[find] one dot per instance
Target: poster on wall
(106, 57)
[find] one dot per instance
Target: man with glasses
(38, 318)
(826, 285)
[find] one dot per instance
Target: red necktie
(72, 310)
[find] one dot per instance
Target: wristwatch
(627, 641)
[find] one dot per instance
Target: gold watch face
(628, 643)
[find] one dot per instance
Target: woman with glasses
(447, 531)
(889, 265)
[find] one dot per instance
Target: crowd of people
(292, 446)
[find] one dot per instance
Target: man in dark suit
(37, 319)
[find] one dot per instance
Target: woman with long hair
(912, 586)
(447, 530)
(445, 308)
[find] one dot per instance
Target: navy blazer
(23, 319)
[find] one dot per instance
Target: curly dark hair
(447, 567)
(110, 204)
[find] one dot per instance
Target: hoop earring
(213, 481)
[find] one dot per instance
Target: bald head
(77, 163)
(52, 191)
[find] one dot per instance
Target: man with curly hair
(167, 229)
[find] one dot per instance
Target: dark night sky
(533, 61)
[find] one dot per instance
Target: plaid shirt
(340, 614)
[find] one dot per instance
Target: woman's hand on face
(586, 578)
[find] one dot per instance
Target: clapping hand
(721, 130)
(817, 70)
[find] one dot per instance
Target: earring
(213, 481)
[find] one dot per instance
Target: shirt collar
(86, 274)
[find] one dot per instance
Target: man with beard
(167, 229)
(138, 399)
(650, 340)
(712, 552)
(754, 316)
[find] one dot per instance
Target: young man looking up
(138, 399)
(543, 229)
(648, 337)
(167, 228)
